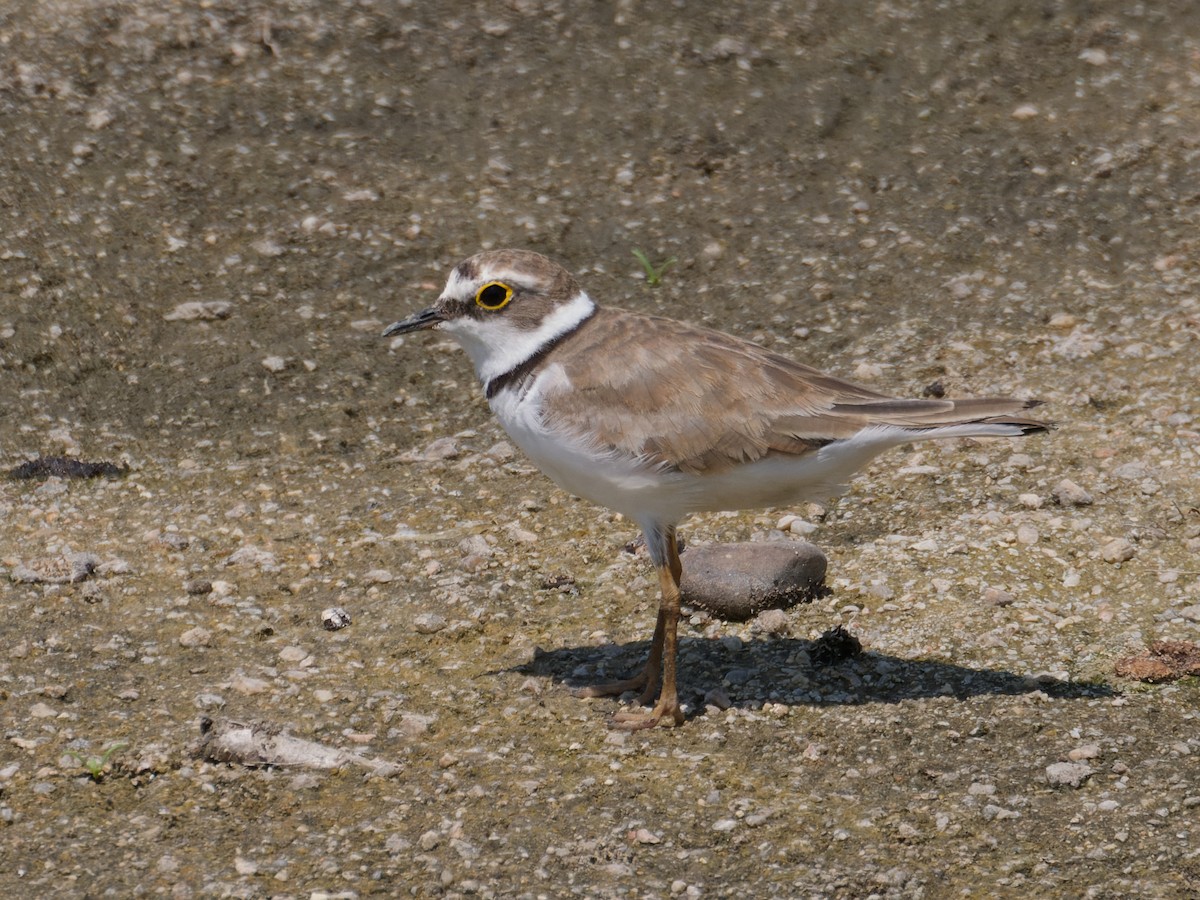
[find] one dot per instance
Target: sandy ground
(207, 215)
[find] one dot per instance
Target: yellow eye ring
(494, 295)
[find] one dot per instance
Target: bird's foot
(641, 682)
(665, 712)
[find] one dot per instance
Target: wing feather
(698, 400)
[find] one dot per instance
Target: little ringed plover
(657, 419)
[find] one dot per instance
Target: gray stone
(1117, 551)
(1068, 493)
(1068, 774)
(736, 581)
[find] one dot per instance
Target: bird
(658, 419)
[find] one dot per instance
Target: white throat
(496, 346)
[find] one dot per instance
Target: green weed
(654, 274)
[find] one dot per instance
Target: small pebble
(772, 621)
(1068, 774)
(1068, 493)
(196, 637)
(200, 311)
(1117, 551)
(335, 618)
(429, 623)
(244, 684)
(796, 525)
(718, 697)
(995, 596)
(293, 654)
(442, 448)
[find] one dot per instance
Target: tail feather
(938, 414)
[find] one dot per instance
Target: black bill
(426, 318)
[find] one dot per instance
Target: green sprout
(95, 764)
(654, 274)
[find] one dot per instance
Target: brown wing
(699, 400)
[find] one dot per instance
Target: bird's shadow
(797, 672)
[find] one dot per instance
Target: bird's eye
(494, 295)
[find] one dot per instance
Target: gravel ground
(208, 214)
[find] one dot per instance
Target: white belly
(647, 493)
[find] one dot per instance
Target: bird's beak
(426, 318)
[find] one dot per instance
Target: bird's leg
(665, 650)
(646, 681)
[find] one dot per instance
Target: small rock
(1027, 534)
(244, 684)
(1087, 751)
(1068, 774)
(198, 586)
(114, 566)
(429, 623)
(429, 840)
(415, 724)
(1117, 551)
(42, 711)
(736, 581)
(1068, 493)
(1030, 501)
(200, 311)
(253, 556)
(378, 576)
(293, 654)
(521, 535)
(997, 597)
(724, 825)
(335, 618)
(442, 448)
(772, 621)
(796, 525)
(559, 581)
(244, 866)
(268, 247)
(196, 637)
(718, 698)
(274, 363)
(1025, 111)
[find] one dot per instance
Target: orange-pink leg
(646, 681)
(664, 653)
